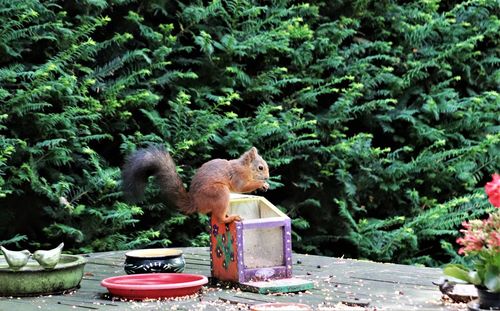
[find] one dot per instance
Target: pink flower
(472, 242)
(474, 236)
(494, 240)
(492, 189)
(466, 225)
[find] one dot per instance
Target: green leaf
(462, 273)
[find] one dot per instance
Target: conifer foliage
(379, 120)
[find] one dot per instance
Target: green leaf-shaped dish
(33, 280)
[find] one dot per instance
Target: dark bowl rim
(136, 254)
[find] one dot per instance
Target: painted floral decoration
(224, 245)
(215, 230)
(481, 241)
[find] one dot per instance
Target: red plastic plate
(154, 285)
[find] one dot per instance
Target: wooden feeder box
(256, 252)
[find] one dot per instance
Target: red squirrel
(210, 186)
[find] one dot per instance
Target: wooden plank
(234, 299)
(304, 298)
(374, 286)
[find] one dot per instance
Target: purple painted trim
(265, 222)
(280, 272)
(239, 251)
(287, 247)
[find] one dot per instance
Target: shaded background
(379, 119)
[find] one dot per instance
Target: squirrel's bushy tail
(154, 161)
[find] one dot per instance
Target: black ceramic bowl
(154, 260)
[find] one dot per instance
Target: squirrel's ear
(250, 155)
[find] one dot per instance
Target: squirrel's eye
(261, 167)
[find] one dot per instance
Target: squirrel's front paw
(264, 187)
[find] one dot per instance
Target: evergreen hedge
(379, 119)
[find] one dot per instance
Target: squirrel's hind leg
(221, 208)
(215, 200)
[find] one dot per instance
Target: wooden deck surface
(358, 285)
